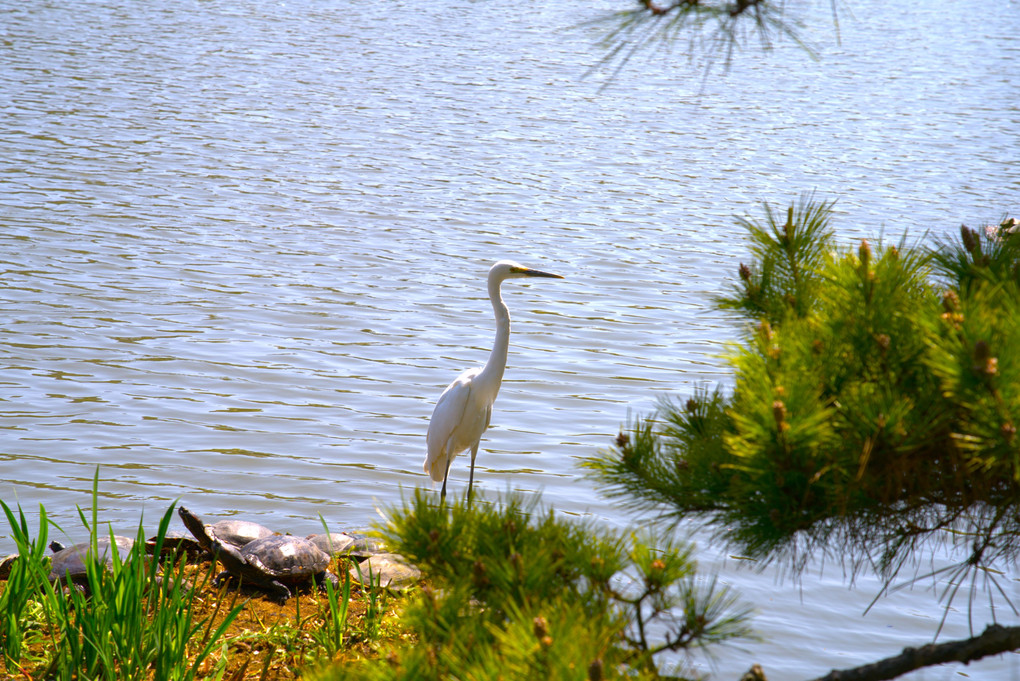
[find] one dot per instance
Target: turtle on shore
(175, 543)
(333, 543)
(349, 544)
(69, 564)
(370, 561)
(7, 564)
(236, 533)
(387, 570)
(273, 563)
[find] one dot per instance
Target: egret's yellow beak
(528, 272)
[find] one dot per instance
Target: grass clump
(125, 616)
(163, 617)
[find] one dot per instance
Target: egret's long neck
(492, 374)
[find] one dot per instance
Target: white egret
(463, 411)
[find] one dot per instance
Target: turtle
(271, 563)
(388, 570)
(371, 561)
(349, 544)
(7, 564)
(70, 563)
(333, 543)
(174, 544)
(365, 547)
(236, 533)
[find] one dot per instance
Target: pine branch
(995, 640)
(713, 30)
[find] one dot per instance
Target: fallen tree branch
(994, 640)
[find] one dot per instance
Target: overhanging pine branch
(995, 640)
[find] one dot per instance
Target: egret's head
(508, 269)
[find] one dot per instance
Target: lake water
(244, 248)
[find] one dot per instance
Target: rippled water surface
(244, 246)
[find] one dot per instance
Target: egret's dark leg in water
(471, 480)
(446, 476)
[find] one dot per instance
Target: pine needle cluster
(711, 30)
(874, 407)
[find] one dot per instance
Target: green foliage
(371, 624)
(786, 272)
(874, 408)
(516, 592)
(22, 583)
(132, 619)
(330, 636)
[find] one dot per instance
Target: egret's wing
(447, 418)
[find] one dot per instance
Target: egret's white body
(464, 409)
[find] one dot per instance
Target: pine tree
(874, 408)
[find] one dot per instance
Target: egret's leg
(471, 479)
(442, 493)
